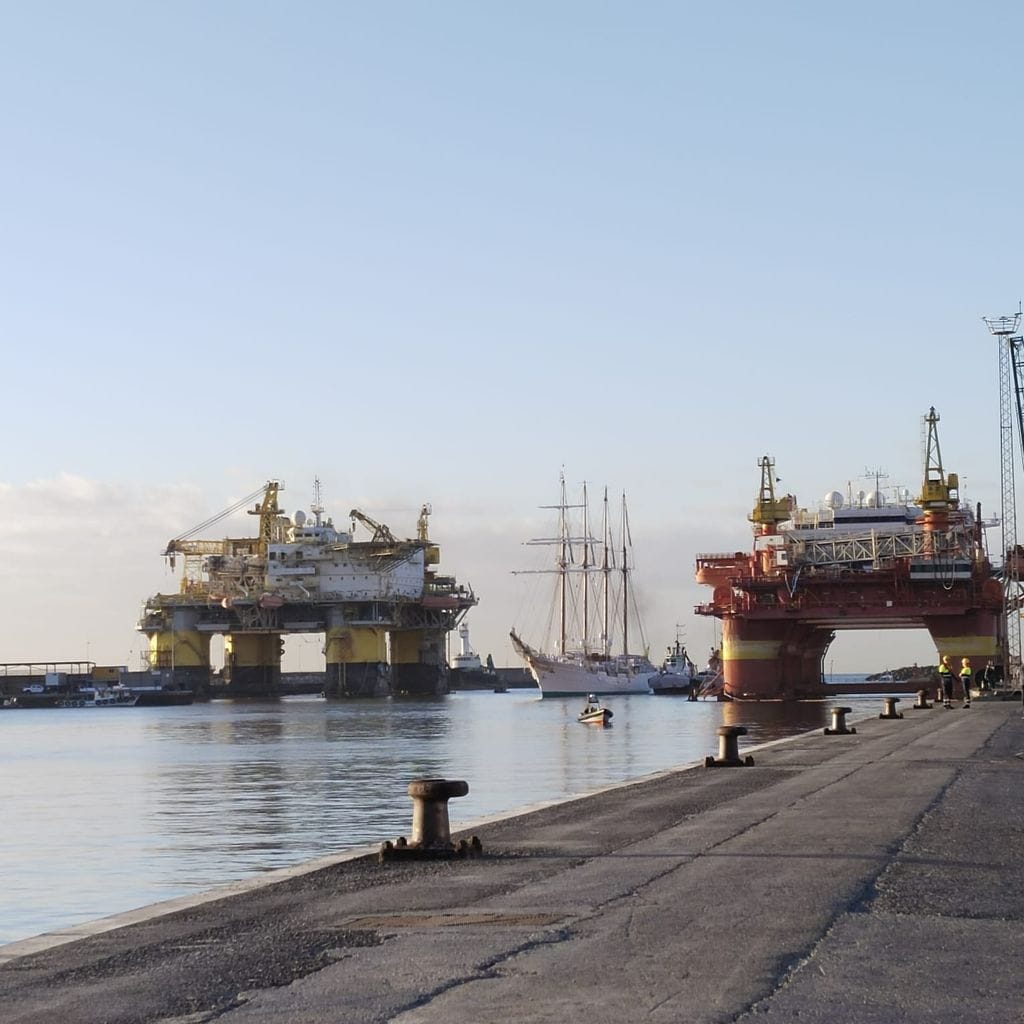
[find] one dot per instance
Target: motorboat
(593, 713)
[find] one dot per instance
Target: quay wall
(842, 877)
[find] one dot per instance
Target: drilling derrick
(939, 497)
(769, 511)
(301, 576)
(864, 564)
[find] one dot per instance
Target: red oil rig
(863, 564)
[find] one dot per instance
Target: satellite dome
(834, 500)
(300, 518)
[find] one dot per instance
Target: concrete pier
(867, 877)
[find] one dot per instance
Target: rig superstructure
(870, 565)
(384, 610)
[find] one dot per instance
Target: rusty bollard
(922, 701)
(839, 723)
(431, 836)
(729, 748)
(890, 708)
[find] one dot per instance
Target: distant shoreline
(903, 674)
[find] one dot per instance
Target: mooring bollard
(431, 835)
(839, 723)
(922, 701)
(890, 708)
(729, 748)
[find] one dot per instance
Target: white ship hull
(570, 677)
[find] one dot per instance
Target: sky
(444, 252)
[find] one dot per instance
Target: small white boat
(593, 713)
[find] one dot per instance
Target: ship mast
(606, 641)
(563, 569)
(586, 572)
(625, 579)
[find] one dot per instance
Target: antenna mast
(317, 508)
(879, 475)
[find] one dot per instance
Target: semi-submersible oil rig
(862, 565)
(382, 607)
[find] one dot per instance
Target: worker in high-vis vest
(965, 680)
(946, 678)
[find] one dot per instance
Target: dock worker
(965, 680)
(946, 678)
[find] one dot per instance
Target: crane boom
(381, 533)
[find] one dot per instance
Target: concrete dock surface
(852, 878)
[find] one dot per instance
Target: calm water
(108, 809)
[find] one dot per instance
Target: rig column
(418, 665)
(182, 653)
(356, 659)
(252, 664)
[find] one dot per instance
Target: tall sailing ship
(594, 608)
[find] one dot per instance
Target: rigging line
(221, 515)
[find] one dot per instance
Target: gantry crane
(1011, 404)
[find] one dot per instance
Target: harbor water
(108, 809)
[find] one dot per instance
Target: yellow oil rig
(384, 610)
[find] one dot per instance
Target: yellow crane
(769, 510)
(193, 550)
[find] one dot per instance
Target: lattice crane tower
(1004, 329)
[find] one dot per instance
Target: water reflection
(773, 720)
(117, 808)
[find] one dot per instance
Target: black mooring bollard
(839, 723)
(729, 748)
(431, 835)
(922, 701)
(890, 708)
(430, 809)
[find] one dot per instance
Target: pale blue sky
(434, 252)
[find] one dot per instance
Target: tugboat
(467, 672)
(677, 674)
(593, 713)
